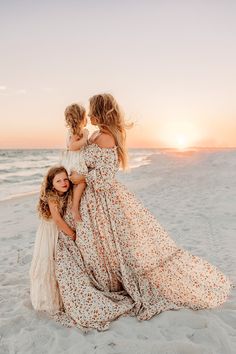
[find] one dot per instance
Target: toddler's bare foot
(76, 215)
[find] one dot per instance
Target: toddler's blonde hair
(74, 116)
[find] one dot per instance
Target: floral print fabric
(123, 261)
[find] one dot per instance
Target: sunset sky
(170, 64)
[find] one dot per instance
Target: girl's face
(61, 182)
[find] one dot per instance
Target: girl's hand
(75, 178)
(60, 222)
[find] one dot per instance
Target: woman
(123, 261)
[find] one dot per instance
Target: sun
(179, 134)
(181, 141)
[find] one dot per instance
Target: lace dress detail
(73, 160)
(44, 290)
(123, 261)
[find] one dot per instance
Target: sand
(193, 195)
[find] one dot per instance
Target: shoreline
(14, 185)
(19, 196)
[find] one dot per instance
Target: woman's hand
(75, 178)
(73, 236)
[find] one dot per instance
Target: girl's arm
(61, 224)
(78, 144)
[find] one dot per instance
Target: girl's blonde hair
(74, 116)
(49, 193)
(110, 118)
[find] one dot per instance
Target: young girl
(72, 159)
(54, 196)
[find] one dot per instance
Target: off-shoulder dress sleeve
(102, 176)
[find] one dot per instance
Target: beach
(193, 195)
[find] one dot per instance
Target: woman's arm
(102, 176)
(61, 224)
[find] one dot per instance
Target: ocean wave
(22, 171)
(24, 178)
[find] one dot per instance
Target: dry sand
(193, 195)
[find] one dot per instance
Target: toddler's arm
(61, 224)
(78, 144)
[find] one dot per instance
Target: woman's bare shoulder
(105, 141)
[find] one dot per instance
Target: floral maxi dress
(123, 262)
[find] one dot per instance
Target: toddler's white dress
(44, 290)
(73, 160)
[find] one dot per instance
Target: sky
(169, 63)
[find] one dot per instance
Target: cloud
(48, 89)
(21, 92)
(11, 92)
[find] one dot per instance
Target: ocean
(22, 170)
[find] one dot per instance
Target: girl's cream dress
(44, 290)
(73, 160)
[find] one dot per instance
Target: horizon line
(140, 147)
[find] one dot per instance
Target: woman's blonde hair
(74, 116)
(49, 193)
(110, 119)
